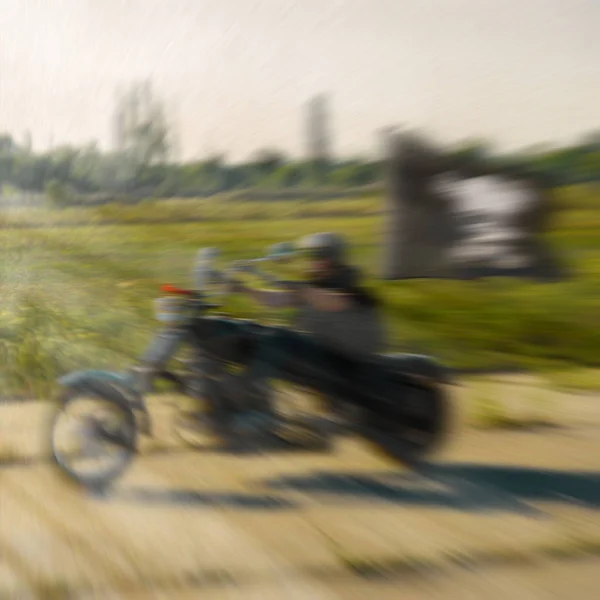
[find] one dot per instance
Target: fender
(108, 383)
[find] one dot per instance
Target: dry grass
(8, 453)
(517, 404)
(578, 380)
(569, 536)
(528, 403)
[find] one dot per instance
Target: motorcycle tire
(127, 437)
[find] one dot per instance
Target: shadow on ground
(460, 486)
(183, 497)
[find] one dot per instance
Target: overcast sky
(235, 73)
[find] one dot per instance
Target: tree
(7, 144)
(355, 173)
(289, 175)
(61, 161)
(591, 141)
(143, 135)
(470, 151)
(58, 194)
(266, 162)
(31, 172)
(8, 150)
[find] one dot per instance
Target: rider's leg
(283, 346)
(272, 350)
(361, 381)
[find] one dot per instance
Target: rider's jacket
(358, 330)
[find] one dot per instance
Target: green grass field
(77, 292)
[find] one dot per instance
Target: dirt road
(500, 515)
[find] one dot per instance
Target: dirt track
(185, 524)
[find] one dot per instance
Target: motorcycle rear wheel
(414, 436)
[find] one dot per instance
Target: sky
(235, 74)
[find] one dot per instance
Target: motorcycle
(219, 347)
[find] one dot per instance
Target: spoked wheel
(419, 430)
(93, 438)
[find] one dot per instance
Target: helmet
(325, 245)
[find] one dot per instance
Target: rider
(340, 316)
(332, 303)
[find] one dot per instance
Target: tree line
(143, 163)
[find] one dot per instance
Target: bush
(59, 194)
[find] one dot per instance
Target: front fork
(225, 393)
(202, 374)
(161, 350)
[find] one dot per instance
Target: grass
(393, 569)
(75, 294)
(559, 550)
(578, 380)
(493, 404)
(8, 453)
(215, 209)
(570, 542)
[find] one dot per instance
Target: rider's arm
(270, 298)
(327, 300)
(296, 294)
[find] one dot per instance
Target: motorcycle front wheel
(100, 442)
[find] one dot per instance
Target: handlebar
(207, 281)
(206, 275)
